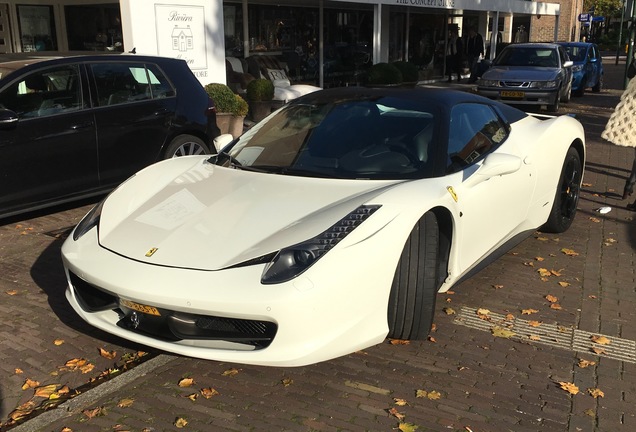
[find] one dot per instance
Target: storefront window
(94, 27)
(291, 34)
(37, 28)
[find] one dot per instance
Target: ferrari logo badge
(451, 191)
(151, 252)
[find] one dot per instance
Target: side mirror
(568, 64)
(495, 164)
(8, 118)
(222, 140)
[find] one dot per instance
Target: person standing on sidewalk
(474, 52)
(454, 54)
(621, 130)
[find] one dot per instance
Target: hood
(210, 217)
(518, 73)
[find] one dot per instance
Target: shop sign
(181, 34)
(427, 3)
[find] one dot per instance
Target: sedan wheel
(568, 94)
(186, 145)
(414, 289)
(567, 194)
(555, 106)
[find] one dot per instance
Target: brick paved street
(463, 379)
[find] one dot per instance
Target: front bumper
(334, 308)
(521, 97)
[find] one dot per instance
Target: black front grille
(90, 298)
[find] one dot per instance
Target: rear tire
(414, 288)
(186, 145)
(567, 194)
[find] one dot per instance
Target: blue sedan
(588, 66)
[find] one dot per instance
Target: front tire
(599, 85)
(186, 145)
(568, 94)
(567, 194)
(414, 288)
(555, 106)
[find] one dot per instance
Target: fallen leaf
(594, 219)
(287, 382)
(209, 392)
(551, 298)
(433, 327)
(180, 422)
(510, 317)
(45, 391)
(107, 354)
(591, 296)
(569, 252)
(230, 372)
(407, 427)
(58, 342)
(29, 383)
(528, 311)
(599, 351)
(421, 393)
(534, 338)
(556, 272)
(449, 311)
(395, 413)
(544, 272)
(539, 258)
(94, 412)
(528, 264)
(432, 339)
(482, 311)
(543, 238)
(586, 363)
(193, 396)
(569, 387)
(501, 332)
(433, 395)
(87, 368)
(64, 390)
(555, 306)
(18, 371)
(66, 429)
(399, 341)
(186, 382)
(497, 286)
(22, 411)
(589, 412)
(125, 403)
(449, 300)
(11, 292)
(400, 402)
(534, 323)
(564, 284)
(595, 393)
(601, 340)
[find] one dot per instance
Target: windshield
(528, 56)
(385, 138)
(576, 53)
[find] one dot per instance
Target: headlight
(543, 84)
(488, 83)
(577, 68)
(90, 220)
(292, 261)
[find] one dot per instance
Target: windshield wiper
(285, 170)
(222, 158)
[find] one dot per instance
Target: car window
(45, 92)
(527, 56)
(384, 138)
(475, 129)
(119, 83)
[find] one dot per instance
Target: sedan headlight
(488, 83)
(543, 84)
(294, 260)
(90, 220)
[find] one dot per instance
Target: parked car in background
(529, 74)
(587, 70)
(74, 127)
(326, 227)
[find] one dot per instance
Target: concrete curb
(82, 401)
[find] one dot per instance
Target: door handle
(82, 126)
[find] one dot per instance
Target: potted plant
(410, 74)
(384, 74)
(231, 108)
(260, 93)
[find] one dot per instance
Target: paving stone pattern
(470, 379)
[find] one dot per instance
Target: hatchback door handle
(82, 125)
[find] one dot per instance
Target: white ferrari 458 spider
(324, 229)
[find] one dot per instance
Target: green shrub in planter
(260, 89)
(409, 71)
(384, 73)
(225, 100)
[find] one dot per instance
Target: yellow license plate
(139, 307)
(512, 94)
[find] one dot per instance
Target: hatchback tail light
(211, 109)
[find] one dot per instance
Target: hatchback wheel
(186, 145)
